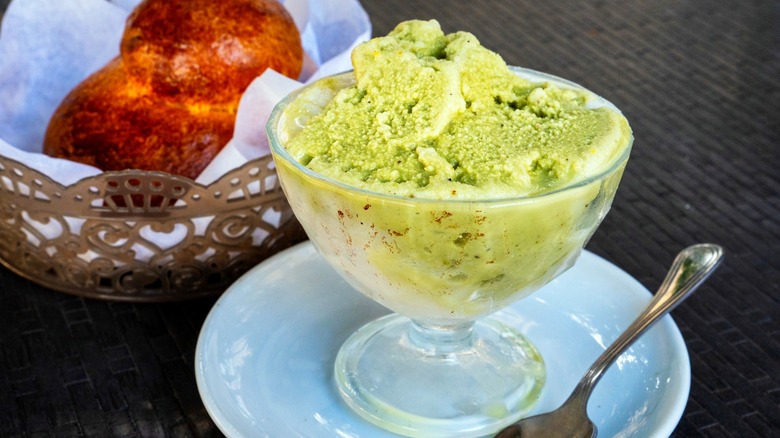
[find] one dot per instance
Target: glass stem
(435, 339)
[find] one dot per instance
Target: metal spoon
(690, 268)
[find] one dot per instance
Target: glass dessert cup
(444, 363)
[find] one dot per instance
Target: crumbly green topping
(440, 116)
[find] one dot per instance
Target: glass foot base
(418, 380)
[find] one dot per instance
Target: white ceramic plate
(265, 353)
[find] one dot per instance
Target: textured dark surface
(698, 80)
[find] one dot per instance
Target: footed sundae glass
(444, 363)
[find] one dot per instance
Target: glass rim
(279, 151)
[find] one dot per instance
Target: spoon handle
(690, 268)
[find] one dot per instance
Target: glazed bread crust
(168, 102)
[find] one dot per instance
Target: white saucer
(265, 353)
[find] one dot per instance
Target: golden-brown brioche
(168, 101)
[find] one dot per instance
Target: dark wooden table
(699, 81)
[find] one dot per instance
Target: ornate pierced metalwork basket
(142, 236)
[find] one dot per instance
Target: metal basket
(139, 235)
